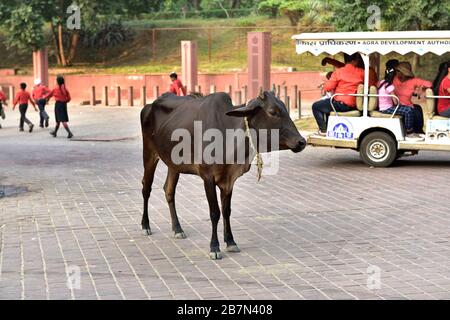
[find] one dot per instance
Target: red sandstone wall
(79, 85)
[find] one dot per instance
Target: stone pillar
(189, 64)
(259, 60)
(105, 96)
(40, 65)
(143, 96)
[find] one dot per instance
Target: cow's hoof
(180, 235)
(233, 248)
(147, 232)
(215, 255)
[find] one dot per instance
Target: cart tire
(378, 149)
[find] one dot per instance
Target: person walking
(62, 97)
(176, 86)
(2, 102)
(22, 98)
(38, 94)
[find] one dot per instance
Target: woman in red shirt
(441, 87)
(62, 97)
(406, 84)
(2, 102)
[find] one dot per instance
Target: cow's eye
(273, 113)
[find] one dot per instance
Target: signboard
(341, 128)
(420, 42)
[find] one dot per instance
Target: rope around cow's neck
(259, 161)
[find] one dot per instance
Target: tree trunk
(55, 43)
(235, 4)
(196, 4)
(74, 38)
(224, 9)
(416, 57)
(61, 44)
(293, 18)
(416, 62)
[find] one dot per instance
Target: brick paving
(317, 230)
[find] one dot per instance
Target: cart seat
(359, 106)
(373, 106)
(352, 113)
(430, 107)
(378, 114)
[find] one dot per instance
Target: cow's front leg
(225, 196)
(169, 189)
(214, 213)
(150, 166)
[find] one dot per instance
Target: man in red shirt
(344, 80)
(176, 86)
(2, 101)
(373, 77)
(38, 94)
(22, 98)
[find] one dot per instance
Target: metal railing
(365, 95)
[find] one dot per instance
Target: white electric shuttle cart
(380, 138)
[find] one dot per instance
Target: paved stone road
(326, 227)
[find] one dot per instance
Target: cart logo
(341, 130)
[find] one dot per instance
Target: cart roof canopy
(402, 42)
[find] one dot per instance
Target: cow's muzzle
(299, 146)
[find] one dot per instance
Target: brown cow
(168, 113)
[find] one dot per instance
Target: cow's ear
(244, 110)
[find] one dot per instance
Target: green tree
(294, 10)
(395, 14)
(24, 29)
(270, 6)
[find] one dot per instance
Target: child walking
(62, 97)
(39, 93)
(22, 98)
(2, 102)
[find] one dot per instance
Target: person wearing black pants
(22, 98)
(343, 81)
(2, 101)
(62, 97)
(321, 110)
(418, 116)
(39, 93)
(43, 116)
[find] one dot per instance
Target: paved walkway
(326, 227)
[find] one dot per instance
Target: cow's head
(268, 112)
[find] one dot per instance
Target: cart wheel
(378, 149)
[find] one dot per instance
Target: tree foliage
(395, 14)
(296, 10)
(27, 19)
(24, 29)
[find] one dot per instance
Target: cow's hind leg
(214, 213)
(150, 164)
(225, 195)
(169, 189)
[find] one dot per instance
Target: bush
(107, 34)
